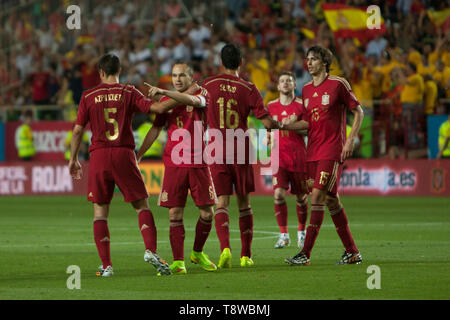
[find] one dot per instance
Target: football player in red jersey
(231, 101)
(109, 109)
(326, 100)
(292, 160)
(185, 168)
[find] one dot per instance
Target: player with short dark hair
(231, 101)
(326, 100)
(109, 109)
(292, 160)
(186, 169)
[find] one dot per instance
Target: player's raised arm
(74, 165)
(185, 97)
(357, 120)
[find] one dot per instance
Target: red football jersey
(109, 108)
(326, 106)
(231, 100)
(190, 140)
(292, 148)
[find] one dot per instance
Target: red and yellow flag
(353, 22)
(440, 19)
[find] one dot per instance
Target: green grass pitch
(407, 238)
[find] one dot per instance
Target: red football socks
(341, 222)
(246, 228)
(102, 241)
(281, 214)
(317, 214)
(177, 235)
(148, 229)
(302, 214)
(222, 223)
(201, 233)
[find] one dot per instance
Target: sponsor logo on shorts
(274, 181)
(90, 195)
(164, 196)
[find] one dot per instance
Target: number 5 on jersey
(113, 121)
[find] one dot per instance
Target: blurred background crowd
(399, 77)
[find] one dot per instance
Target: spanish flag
(353, 22)
(440, 19)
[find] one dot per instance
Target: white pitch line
(113, 243)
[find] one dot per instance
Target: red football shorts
(295, 180)
(110, 166)
(326, 175)
(229, 176)
(178, 180)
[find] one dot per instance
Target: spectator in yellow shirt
(411, 98)
(430, 94)
(259, 70)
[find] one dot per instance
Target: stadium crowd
(402, 75)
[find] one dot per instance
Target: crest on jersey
(284, 113)
(164, 196)
(325, 99)
(189, 108)
(306, 102)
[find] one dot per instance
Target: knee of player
(223, 202)
(176, 213)
(206, 213)
(279, 196)
(318, 197)
(333, 204)
(140, 205)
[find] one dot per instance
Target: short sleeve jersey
(292, 148)
(185, 131)
(109, 109)
(326, 106)
(231, 101)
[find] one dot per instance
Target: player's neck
(111, 80)
(286, 99)
(318, 79)
(230, 72)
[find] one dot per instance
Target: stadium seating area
(42, 62)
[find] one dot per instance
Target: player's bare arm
(269, 123)
(176, 98)
(150, 137)
(74, 165)
(297, 125)
(347, 151)
(187, 99)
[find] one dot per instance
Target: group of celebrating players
(222, 103)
